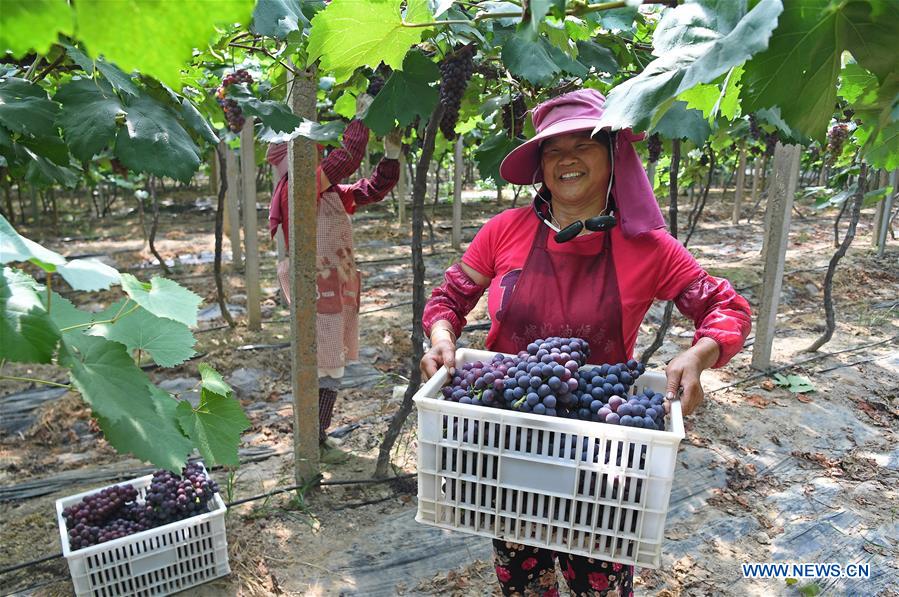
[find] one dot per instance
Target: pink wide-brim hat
(581, 111)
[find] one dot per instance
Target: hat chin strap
(602, 222)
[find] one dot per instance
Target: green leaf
(353, 33)
(15, 247)
(599, 57)
(88, 274)
(104, 374)
(855, 82)
(405, 95)
(682, 123)
(169, 342)
(27, 335)
(530, 59)
(213, 381)
(883, 150)
(275, 115)
(491, 153)
(695, 43)
(25, 108)
(51, 148)
(803, 60)
(79, 58)
(618, 19)
(794, 383)
(41, 171)
(152, 432)
(119, 80)
(156, 38)
(346, 105)
(327, 133)
(215, 426)
(163, 298)
(278, 18)
(153, 141)
(33, 25)
(197, 123)
(88, 116)
(810, 590)
(65, 315)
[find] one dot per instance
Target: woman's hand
(684, 370)
(442, 352)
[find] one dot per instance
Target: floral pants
(531, 571)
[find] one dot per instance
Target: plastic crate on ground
(574, 486)
(159, 561)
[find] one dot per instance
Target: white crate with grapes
(118, 539)
(567, 482)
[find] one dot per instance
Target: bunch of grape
(116, 512)
(233, 113)
(654, 145)
(513, 116)
(550, 378)
(375, 85)
(172, 498)
(98, 517)
(770, 143)
(455, 71)
(754, 130)
(836, 136)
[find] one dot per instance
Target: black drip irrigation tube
(317, 482)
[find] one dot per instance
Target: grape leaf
(104, 374)
(163, 298)
(27, 335)
(65, 315)
(679, 122)
(798, 71)
(197, 122)
(152, 432)
(353, 33)
(278, 18)
(216, 424)
(882, 145)
(327, 133)
(121, 81)
(275, 115)
(53, 148)
(346, 105)
(33, 25)
(25, 108)
(405, 95)
(88, 116)
(529, 59)
(88, 274)
(796, 384)
(79, 58)
(695, 43)
(599, 57)
(491, 153)
(156, 38)
(153, 141)
(15, 247)
(169, 342)
(41, 171)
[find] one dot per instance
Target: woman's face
(575, 168)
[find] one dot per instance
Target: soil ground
(764, 474)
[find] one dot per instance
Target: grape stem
(266, 52)
(43, 381)
(505, 15)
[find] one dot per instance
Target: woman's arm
(444, 314)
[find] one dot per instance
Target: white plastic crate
(159, 561)
(572, 486)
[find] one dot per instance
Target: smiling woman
(594, 279)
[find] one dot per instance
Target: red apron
(566, 295)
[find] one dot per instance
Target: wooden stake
(738, 191)
(301, 160)
(250, 222)
(457, 195)
(232, 201)
(777, 226)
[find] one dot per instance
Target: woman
(337, 331)
(594, 278)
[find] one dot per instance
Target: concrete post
(250, 222)
(458, 166)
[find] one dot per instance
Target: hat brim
(522, 165)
